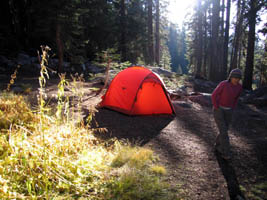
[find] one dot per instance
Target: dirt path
(192, 162)
(191, 135)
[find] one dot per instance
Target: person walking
(224, 99)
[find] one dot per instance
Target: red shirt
(226, 94)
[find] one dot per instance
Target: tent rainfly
(138, 91)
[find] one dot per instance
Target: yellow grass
(41, 158)
(46, 155)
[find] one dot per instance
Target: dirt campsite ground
(184, 144)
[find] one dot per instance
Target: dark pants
(223, 119)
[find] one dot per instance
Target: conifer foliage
(77, 30)
(209, 44)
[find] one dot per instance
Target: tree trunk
(28, 28)
(240, 56)
(238, 34)
(226, 40)
(214, 40)
(5, 16)
(209, 41)
(157, 49)
(247, 84)
(204, 69)
(150, 33)
(263, 71)
(123, 35)
(16, 9)
(199, 40)
(183, 51)
(222, 18)
(59, 47)
(221, 41)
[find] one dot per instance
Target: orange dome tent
(137, 91)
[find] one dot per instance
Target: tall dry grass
(49, 156)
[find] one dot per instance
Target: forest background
(209, 43)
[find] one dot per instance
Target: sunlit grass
(159, 170)
(176, 81)
(15, 110)
(141, 158)
(123, 156)
(67, 160)
(137, 184)
(46, 155)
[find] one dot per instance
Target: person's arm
(215, 95)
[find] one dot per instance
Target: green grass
(258, 191)
(46, 155)
(42, 159)
(137, 184)
(176, 81)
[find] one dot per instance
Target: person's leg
(228, 117)
(222, 120)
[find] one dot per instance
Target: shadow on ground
(199, 124)
(231, 178)
(251, 125)
(141, 128)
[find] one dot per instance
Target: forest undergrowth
(46, 154)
